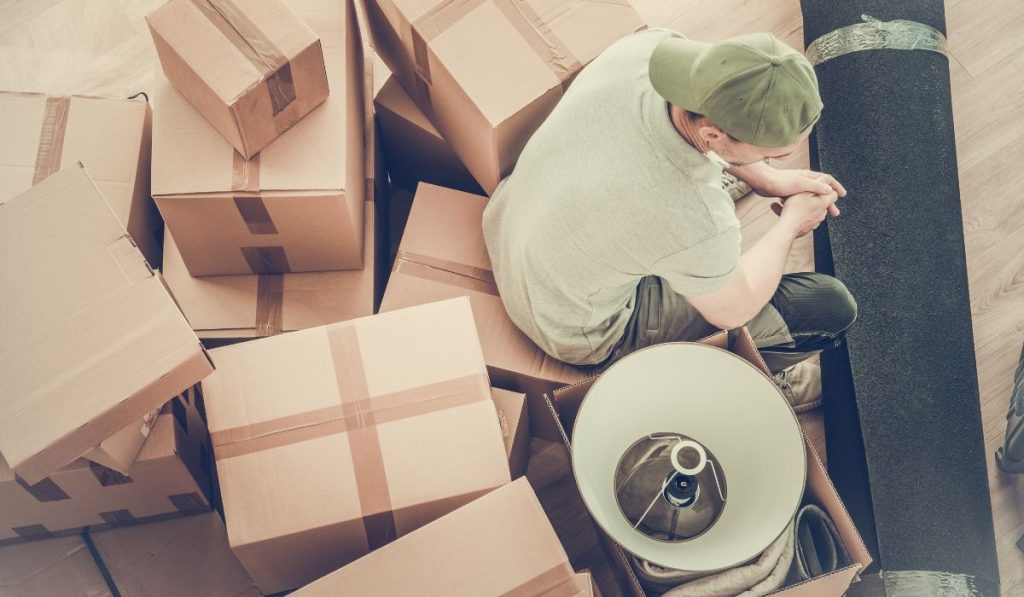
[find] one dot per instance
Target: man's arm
(757, 276)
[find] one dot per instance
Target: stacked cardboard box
(228, 308)
(297, 205)
(488, 73)
(171, 478)
(94, 340)
(388, 424)
(252, 72)
(442, 255)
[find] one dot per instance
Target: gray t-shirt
(605, 193)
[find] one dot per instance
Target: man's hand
(786, 183)
(804, 212)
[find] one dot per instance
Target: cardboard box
(415, 151)
(111, 137)
(387, 425)
(819, 489)
(252, 69)
(171, 478)
(442, 255)
(93, 340)
(500, 544)
(515, 428)
(120, 450)
(185, 556)
(488, 73)
(246, 306)
(298, 204)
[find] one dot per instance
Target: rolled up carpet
(902, 416)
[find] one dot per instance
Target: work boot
(801, 385)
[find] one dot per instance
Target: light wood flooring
(102, 47)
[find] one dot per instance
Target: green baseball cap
(756, 88)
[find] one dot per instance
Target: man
(613, 231)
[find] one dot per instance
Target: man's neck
(686, 128)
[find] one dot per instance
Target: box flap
(190, 156)
(103, 134)
(102, 327)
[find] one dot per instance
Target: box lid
(190, 156)
(90, 326)
(500, 544)
(380, 417)
(506, 55)
(104, 134)
(194, 30)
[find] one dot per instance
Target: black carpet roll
(902, 414)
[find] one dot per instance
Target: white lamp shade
(722, 402)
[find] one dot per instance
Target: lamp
(689, 457)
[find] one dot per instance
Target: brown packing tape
(255, 215)
(471, 271)
(257, 48)
(269, 304)
(419, 270)
(562, 62)
(44, 491)
(266, 260)
(245, 174)
(51, 137)
(544, 583)
(404, 404)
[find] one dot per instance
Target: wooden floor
(102, 47)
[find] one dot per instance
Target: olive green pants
(809, 313)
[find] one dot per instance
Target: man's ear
(710, 132)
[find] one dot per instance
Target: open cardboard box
(564, 403)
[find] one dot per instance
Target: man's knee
(839, 308)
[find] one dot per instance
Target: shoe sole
(802, 408)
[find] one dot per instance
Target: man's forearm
(764, 263)
(755, 174)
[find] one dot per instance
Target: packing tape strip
(255, 215)
(554, 582)
(928, 582)
(874, 34)
(443, 276)
(404, 404)
(245, 174)
(51, 137)
(470, 271)
(269, 304)
(555, 54)
(363, 442)
(257, 48)
(266, 260)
